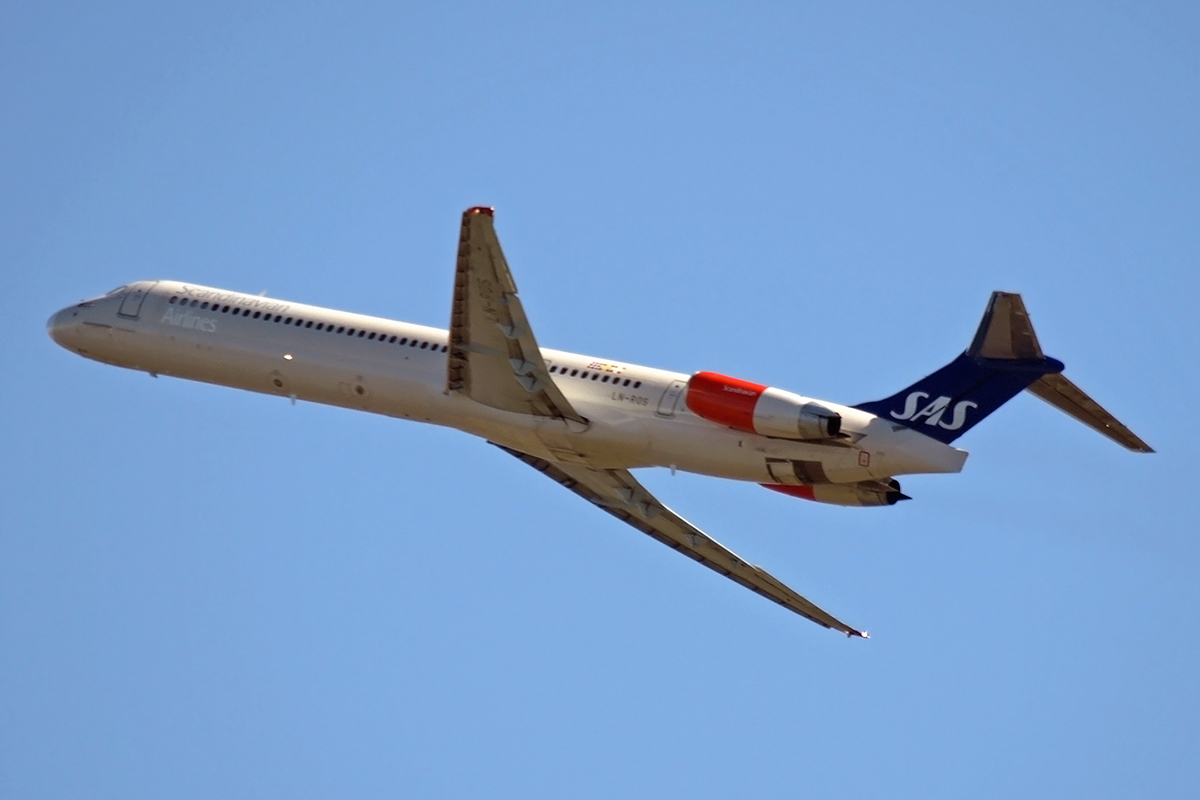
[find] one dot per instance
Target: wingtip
(861, 634)
(488, 210)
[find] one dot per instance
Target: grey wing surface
(494, 358)
(618, 492)
(1059, 392)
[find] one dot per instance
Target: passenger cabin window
(329, 327)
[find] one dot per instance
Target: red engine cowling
(755, 408)
(867, 493)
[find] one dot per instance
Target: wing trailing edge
(1059, 392)
(494, 358)
(619, 493)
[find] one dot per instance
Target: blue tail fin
(1003, 359)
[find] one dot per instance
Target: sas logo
(932, 413)
(186, 319)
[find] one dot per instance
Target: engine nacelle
(866, 493)
(754, 408)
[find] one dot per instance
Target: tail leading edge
(1004, 358)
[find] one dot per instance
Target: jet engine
(863, 493)
(754, 408)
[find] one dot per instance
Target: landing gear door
(670, 399)
(131, 306)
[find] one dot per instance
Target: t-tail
(1003, 360)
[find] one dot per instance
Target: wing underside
(619, 493)
(494, 358)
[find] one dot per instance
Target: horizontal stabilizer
(1059, 392)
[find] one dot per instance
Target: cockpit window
(91, 301)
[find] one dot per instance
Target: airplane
(584, 422)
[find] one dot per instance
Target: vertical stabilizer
(1003, 359)
(1005, 332)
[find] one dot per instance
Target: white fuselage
(637, 415)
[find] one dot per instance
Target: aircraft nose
(61, 324)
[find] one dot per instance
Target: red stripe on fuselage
(803, 492)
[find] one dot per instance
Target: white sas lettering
(932, 413)
(960, 415)
(910, 405)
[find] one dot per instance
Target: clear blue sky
(207, 593)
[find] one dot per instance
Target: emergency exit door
(670, 399)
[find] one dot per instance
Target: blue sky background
(211, 593)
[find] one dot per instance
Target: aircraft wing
(493, 357)
(618, 492)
